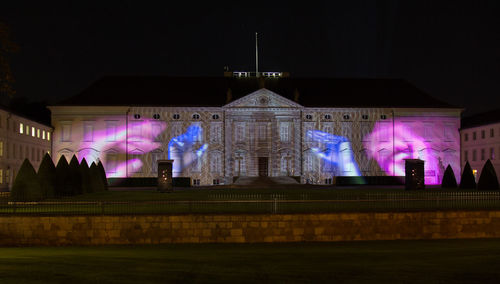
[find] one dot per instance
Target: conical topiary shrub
(488, 179)
(449, 180)
(85, 176)
(467, 181)
(63, 178)
(103, 175)
(47, 177)
(95, 179)
(26, 186)
(76, 178)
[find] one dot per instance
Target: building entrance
(263, 166)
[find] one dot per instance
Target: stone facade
(261, 133)
(161, 229)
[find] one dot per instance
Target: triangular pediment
(263, 98)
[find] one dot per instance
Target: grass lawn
(443, 261)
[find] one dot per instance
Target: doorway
(263, 166)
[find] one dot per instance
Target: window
(474, 155)
(176, 129)
(48, 136)
(308, 131)
(482, 154)
(262, 132)
(346, 117)
(216, 132)
(466, 156)
(492, 153)
(408, 131)
(308, 162)
(1, 148)
(328, 116)
(215, 116)
(136, 131)
(196, 182)
(197, 163)
(66, 132)
(383, 116)
(492, 132)
(328, 180)
(156, 132)
(33, 131)
(466, 137)
(215, 162)
(38, 133)
(196, 116)
(176, 116)
(88, 131)
(111, 159)
(448, 133)
(346, 129)
(43, 134)
(111, 131)
(364, 116)
(428, 131)
(27, 132)
(474, 135)
(137, 116)
(309, 117)
(483, 134)
(199, 135)
(156, 116)
(21, 128)
(240, 132)
(1, 176)
(328, 128)
(216, 181)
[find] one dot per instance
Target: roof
(480, 119)
(212, 91)
(34, 112)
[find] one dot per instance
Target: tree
(95, 179)
(26, 186)
(6, 47)
(488, 179)
(76, 176)
(47, 177)
(467, 181)
(85, 176)
(449, 180)
(63, 182)
(103, 175)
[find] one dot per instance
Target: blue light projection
(337, 151)
(182, 150)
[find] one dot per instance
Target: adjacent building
(20, 138)
(480, 141)
(219, 128)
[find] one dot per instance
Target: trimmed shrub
(103, 175)
(95, 179)
(449, 180)
(85, 176)
(467, 181)
(63, 178)
(488, 179)
(76, 178)
(26, 186)
(47, 177)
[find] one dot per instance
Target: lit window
(32, 131)
(48, 136)
(43, 134)
(474, 172)
(21, 128)
(27, 130)
(1, 148)
(38, 133)
(1, 176)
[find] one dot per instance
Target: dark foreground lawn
(449, 261)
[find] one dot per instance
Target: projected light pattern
(406, 143)
(182, 150)
(337, 151)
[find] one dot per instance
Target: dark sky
(450, 49)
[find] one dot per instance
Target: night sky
(450, 49)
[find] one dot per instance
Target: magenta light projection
(390, 144)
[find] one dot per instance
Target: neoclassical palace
(219, 128)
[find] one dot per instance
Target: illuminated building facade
(216, 129)
(480, 139)
(20, 138)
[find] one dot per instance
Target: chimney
(229, 95)
(296, 95)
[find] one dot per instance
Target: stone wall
(156, 229)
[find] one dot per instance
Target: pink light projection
(409, 143)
